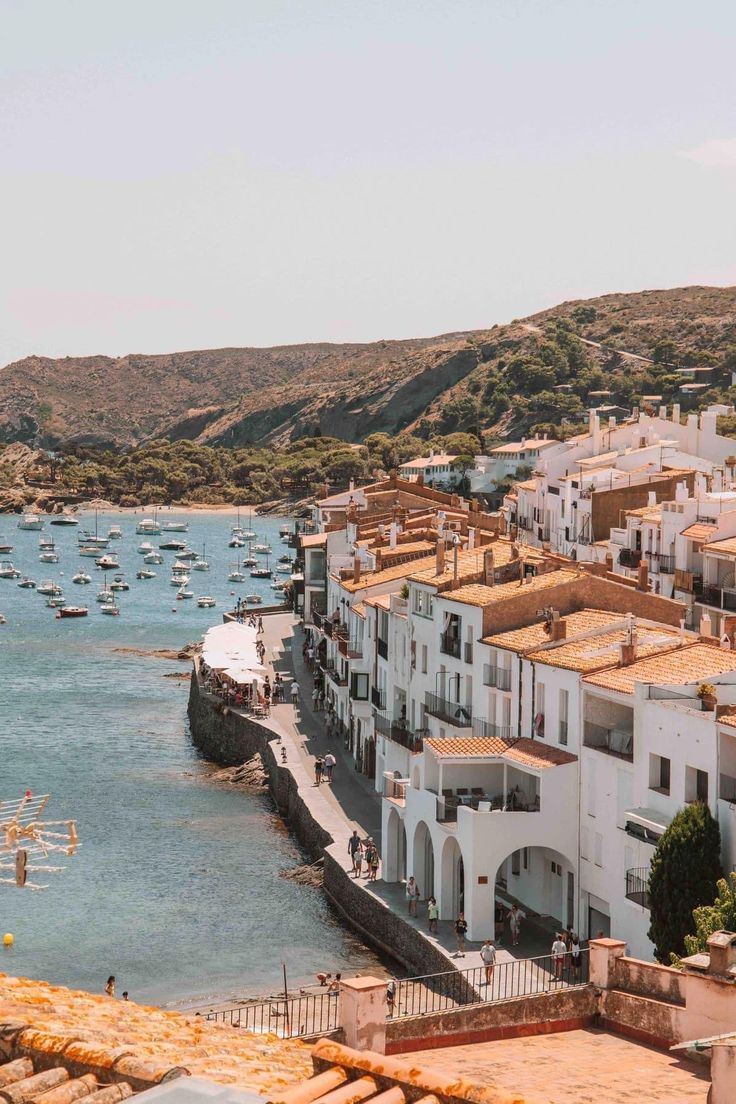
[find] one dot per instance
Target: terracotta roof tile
(477, 594)
(690, 664)
(387, 575)
(728, 719)
(313, 540)
(529, 753)
(728, 546)
(519, 446)
(699, 531)
(470, 562)
(534, 635)
(596, 652)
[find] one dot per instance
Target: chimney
(558, 627)
(676, 413)
(629, 645)
(706, 627)
(489, 563)
(431, 454)
(352, 485)
(681, 492)
(471, 538)
(663, 413)
(651, 498)
(440, 556)
(356, 569)
(729, 627)
(643, 580)
(718, 480)
(609, 561)
(722, 950)
(392, 535)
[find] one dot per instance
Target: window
(556, 869)
(424, 659)
(359, 687)
(564, 705)
(516, 862)
(539, 710)
(659, 774)
(696, 785)
(525, 857)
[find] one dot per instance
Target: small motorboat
(172, 545)
(149, 526)
(110, 608)
(30, 521)
(56, 601)
(280, 587)
(85, 537)
(8, 570)
(285, 559)
(260, 573)
(236, 577)
(104, 595)
(3, 619)
(186, 553)
(45, 542)
(205, 602)
(48, 587)
(27, 584)
(145, 574)
(183, 593)
(119, 583)
(82, 578)
(179, 565)
(48, 555)
(114, 532)
(88, 550)
(153, 558)
(73, 611)
(5, 549)
(236, 541)
(250, 561)
(63, 519)
(284, 530)
(178, 579)
(200, 565)
(262, 549)
(284, 569)
(108, 562)
(145, 547)
(175, 527)
(253, 599)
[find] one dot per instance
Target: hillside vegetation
(537, 372)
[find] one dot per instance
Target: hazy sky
(180, 174)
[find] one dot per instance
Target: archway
(394, 869)
(544, 882)
(423, 860)
(452, 882)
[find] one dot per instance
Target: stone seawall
(228, 738)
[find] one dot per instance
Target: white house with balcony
(436, 470)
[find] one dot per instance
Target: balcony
(382, 648)
(500, 677)
(453, 713)
(629, 557)
(666, 563)
(727, 788)
(720, 597)
(612, 741)
(398, 732)
(395, 788)
(480, 801)
(378, 698)
(482, 727)
(637, 885)
(524, 523)
(351, 649)
(468, 651)
(450, 645)
(334, 675)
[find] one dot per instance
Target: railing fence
(308, 1014)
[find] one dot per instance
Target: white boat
(236, 541)
(63, 519)
(56, 601)
(145, 547)
(260, 572)
(262, 549)
(173, 544)
(178, 580)
(175, 527)
(104, 595)
(48, 587)
(3, 619)
(8, 570)
(284, 530)
(93, 538)
(110, 608)
(27, 584)
(30, 521)
(284, 569)
(148, 526)
(119, 583)
(153, 558)
(183, 593)
(114, 532)
(200, 564)
(248, 533)
(46, 542)
(277, 586)
(49, 556)
(145, 574)
(186, 553)
(250, 560)
(82, 578)
(205, 602)
(109, 562)
(88, 550)
(253, 599)
(179, 565)
(236, 575)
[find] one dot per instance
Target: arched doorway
(395, 850)
(452, 884)
(544, 881)
(423, 865)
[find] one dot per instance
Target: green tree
(720, 916)
(685, 869)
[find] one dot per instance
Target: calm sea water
(176, 887)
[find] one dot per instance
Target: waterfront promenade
(350, 801)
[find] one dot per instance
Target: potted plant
(707, 695)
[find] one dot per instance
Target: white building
(435, 470)
(509, 461)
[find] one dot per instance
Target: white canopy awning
(230, 645)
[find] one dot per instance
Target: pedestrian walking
(260, 624)
(575, 956)
(515, 916)
(328, 765)
(390, 996)
(559, 953)
(461, 930)
(433, 914)
(318, 764)
(110, 987)
(358, 860)
(310, 657)
(321, 699)
(353, 845)
(294, 692)
(412, 895)
(373, 864)
(315, 699)
(488, 957)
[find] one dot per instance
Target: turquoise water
(176, 886)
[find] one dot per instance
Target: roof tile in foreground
(528, 752)
(681, 667)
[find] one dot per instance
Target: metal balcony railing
(500, 677)
(721, 597)
(482, 727)
(524, 523)
(727, 788)
(382, 648)
(398, 731)
(453, 713)
(334, 675)
(629, 557)
(666, 563)
(378, 698)
(637, 885)
(450, 645)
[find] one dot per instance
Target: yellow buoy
(7, 940)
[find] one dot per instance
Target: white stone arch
(423, 859)
(394, 863)
(452, 880)
(544, 885)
